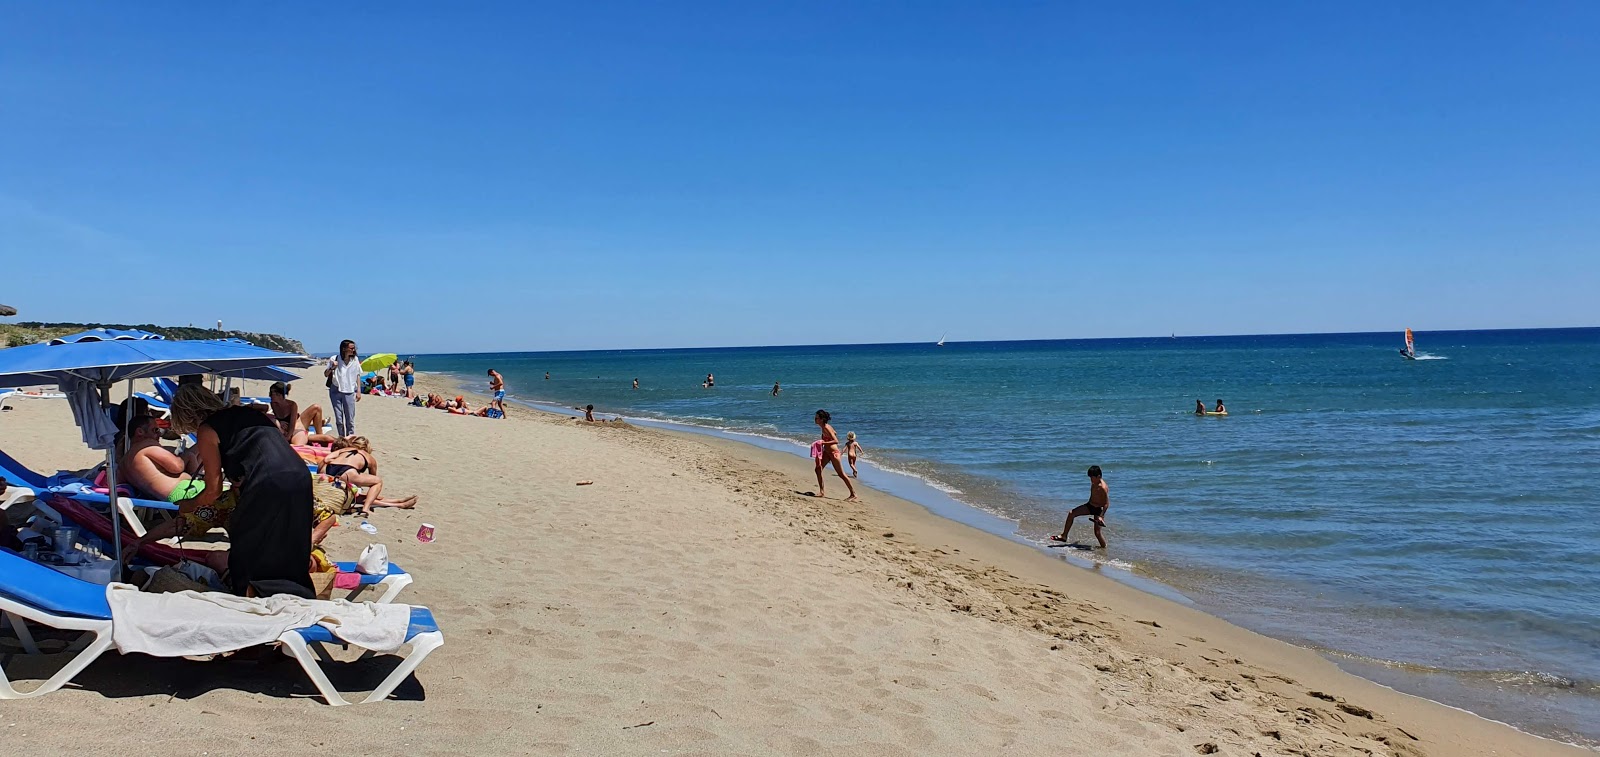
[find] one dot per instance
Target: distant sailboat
(940, 343)
(1409, 351)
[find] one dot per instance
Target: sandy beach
(693, 600)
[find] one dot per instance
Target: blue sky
(519, 176)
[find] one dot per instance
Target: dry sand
(690, 601)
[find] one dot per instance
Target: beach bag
(329, 497)
(374, 560)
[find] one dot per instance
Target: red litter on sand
(425, 533)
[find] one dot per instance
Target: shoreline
(1153, 625)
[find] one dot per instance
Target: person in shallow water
(1220, 408)
(1095, 508)
(1199, 407)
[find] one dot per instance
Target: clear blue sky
(424, 177)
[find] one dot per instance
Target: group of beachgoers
(401, 379)
(1200, 408)
(269, 474)
(458, 404)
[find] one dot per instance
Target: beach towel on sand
(190, 623)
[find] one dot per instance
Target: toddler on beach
(852, 450)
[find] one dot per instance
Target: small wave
(1426, 356)
(1523, 679)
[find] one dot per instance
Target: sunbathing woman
(353, 463)
(298, 427)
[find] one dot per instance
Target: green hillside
(29, 332)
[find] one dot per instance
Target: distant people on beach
(826, 451)
(776, 387)
(1199, 407)
(1095, 508)
(852, 450)
(394, 376)
(588, 413)
(344, 384)
(497, 387)
(408, 373)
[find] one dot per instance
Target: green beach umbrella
(379, 362)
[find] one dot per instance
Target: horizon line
(1008, 341)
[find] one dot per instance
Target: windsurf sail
(1411, 346)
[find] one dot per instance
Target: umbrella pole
(111, 487)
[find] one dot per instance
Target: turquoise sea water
(1430, 524)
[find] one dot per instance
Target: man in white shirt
(344, 386)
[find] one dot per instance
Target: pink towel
(816, 450)
(346, 581)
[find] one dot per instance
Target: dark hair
(1094, 470)
(588, 407)
(491, 370)
(191, 378)
(345, 343)
(140, 408)
(824, 415)
(138, 422)
(279, 388)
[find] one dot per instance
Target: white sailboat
(940, 343)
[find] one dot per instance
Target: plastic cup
(65, 538)
(425, 533)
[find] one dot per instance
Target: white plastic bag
(374, 560)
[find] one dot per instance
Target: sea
(1430, 524)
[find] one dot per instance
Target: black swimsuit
(339, 469)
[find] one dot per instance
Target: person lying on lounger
(156, 473)
(352, 462)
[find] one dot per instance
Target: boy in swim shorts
(1095, 508)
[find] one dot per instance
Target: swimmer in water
(1220, 409)
(776, 388)
(1199, 407)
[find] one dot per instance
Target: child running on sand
(852, 450)
(825, 451)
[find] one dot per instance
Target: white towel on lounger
(188, 623)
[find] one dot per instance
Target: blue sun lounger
(21, 477)
(31, 592)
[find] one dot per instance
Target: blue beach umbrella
(106, 335)
(86, 368)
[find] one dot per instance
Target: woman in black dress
(270, 528)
